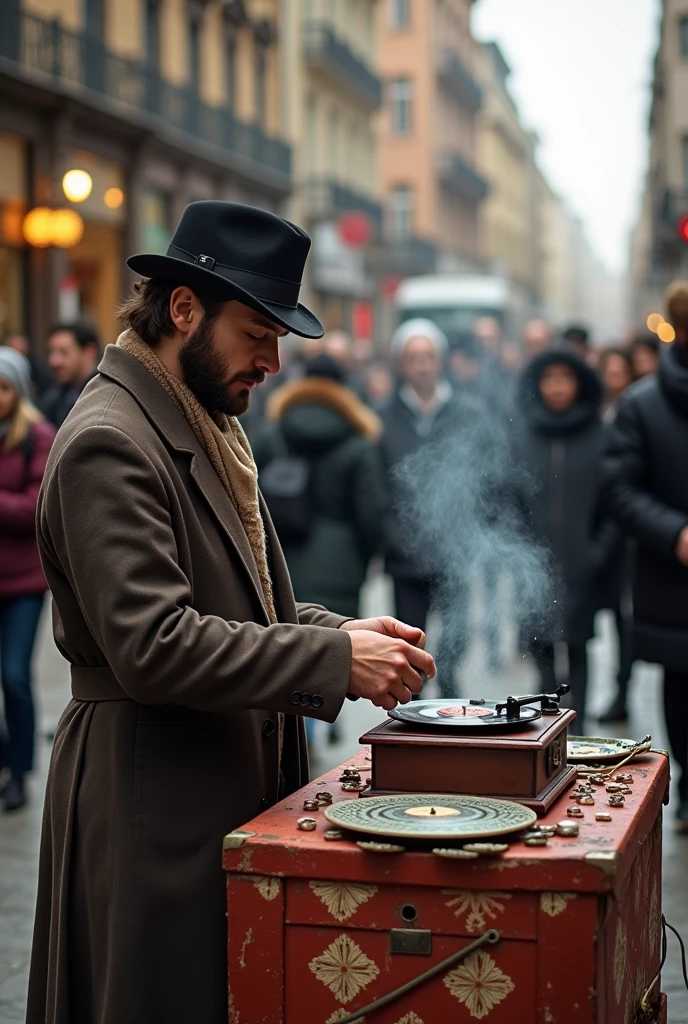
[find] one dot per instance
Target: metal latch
(410, 940)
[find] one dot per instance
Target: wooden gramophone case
(527, 764)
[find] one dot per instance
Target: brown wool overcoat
(172, 739)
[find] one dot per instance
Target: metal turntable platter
(431, 816)
(461, 714)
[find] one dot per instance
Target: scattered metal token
(574, 812)
(547, 830)
(354, 787)
(323, 797)
(306, 824)
(597, 780)
(311, 805)
(625, 777)
(603, 816)
(454, 854)
(486, 847)
(372, 847)
(586, 800)
(568, 828)
(537, 840)
(616, 799)
(333, 834)
(350, 777)
(614, 787)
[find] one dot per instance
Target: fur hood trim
(323, 391)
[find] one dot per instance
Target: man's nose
(268, 359)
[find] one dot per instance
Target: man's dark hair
(576, 335)
(147, 312)
(609, 353)
(84, 334)
(648, 340)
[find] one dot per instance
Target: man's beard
(206, 374)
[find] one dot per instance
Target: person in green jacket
(320, 420)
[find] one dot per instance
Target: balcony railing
(82, 64)
(326, 50)
(456, 76)
(327, 199)
(455, 173)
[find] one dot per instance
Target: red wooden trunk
(311, 922)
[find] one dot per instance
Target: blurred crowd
(601, 434)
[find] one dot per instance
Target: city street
(19, 833)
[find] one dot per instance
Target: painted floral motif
(410, 1018)
(344, 968)
(267, 886)
(342, 899)
(620, 958)
(554, 903)
(479, 984)
(340, 1015)
(476, 905)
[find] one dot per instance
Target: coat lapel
(130, 374)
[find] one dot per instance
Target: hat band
(268, 289)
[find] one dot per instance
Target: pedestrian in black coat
(561, 448)
(646, 486)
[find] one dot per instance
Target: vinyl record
(431, 816)
(461, 714)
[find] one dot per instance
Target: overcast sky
(581, 74)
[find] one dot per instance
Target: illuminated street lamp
(113, 198)
(666, 332)
(43, 227)
(77, 185)
(67, 228)
(654, 322)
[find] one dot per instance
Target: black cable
(683, 949)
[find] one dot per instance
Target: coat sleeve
(626, 469)
(105, 521)
(18, 508)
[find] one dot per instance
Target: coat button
(264, 804)
(305, 700)
(268, 727)
(296, 697)
(316, 701)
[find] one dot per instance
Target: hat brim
(298, 320)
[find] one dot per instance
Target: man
(421, 413)
(73, 351)
(647, 489)
(537, 338)
(191, 664)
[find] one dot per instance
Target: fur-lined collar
(323, 391)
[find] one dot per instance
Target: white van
(455, 301)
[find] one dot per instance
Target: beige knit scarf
(226, 445)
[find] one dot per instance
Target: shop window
(399, 14)
(151, 31)
(156, 219)
(683, 36)
(94, 17)
(400, 96)
(401, 213)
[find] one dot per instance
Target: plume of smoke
(465, 520)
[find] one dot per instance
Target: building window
(231, 71)
(401, 213)
(94, 18)
(156, 219)
(400, 104)
(194, 53)
(311, 133)
(683, 36)
(399, 14)
(260, 72)
(151, 31)
(684, 156)
(334, 142)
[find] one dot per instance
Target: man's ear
(185, 309)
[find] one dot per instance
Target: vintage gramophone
(508, 749)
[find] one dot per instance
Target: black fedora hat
(230, 251)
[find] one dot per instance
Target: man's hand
(389, 626)
(681, 548)
(385, 669)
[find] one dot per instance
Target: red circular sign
(683, 228)
(354, 229)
